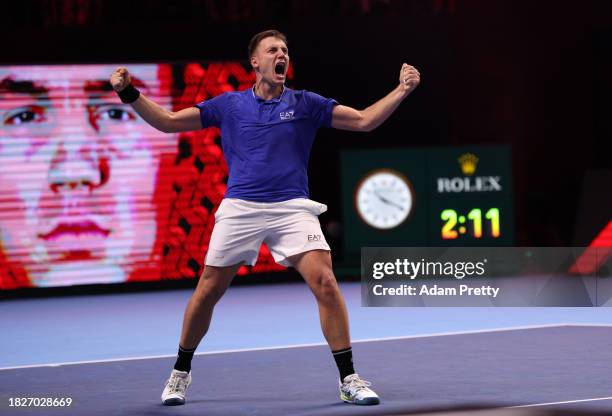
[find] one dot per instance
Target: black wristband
(129, 94)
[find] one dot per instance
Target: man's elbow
(365, 123)
(167, 124)
(366, 126)
(369, 128)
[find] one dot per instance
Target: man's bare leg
(211, 287)
(316, 268)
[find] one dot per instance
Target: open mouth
(279, 68)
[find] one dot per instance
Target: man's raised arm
(347, 118)
(162, 119)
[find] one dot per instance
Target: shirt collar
(273, 100)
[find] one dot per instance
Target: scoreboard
(442, 196)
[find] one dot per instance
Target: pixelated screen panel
(90, 193)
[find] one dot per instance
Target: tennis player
(267, 134)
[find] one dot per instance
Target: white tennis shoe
(355, 390)
(176, 386)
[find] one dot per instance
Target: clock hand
(387, 201)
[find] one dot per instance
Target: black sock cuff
(349, 349)
(187, 350)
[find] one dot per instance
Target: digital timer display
(453, 227)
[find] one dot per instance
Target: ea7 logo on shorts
(314, 237)
(286, 115)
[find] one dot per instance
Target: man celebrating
(267, 134)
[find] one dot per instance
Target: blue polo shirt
(267, 143)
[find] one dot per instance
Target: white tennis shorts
(288, 228)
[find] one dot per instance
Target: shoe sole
(369, 401)
(174, 401)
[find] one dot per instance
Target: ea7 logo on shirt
(314, 237)
(286, 115)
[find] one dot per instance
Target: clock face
(384, 199)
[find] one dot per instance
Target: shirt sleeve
(211, 111)
(320, 108)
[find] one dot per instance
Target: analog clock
(384, 199)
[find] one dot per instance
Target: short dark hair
(262, 35)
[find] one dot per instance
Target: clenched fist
(409, 77)
(120, 79)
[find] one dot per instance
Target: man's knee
(325, 287)
(212, 285)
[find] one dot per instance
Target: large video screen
(90, 193)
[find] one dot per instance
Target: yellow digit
(450, 216)
(493, 215)
(476, 216)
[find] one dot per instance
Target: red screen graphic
(90, 193)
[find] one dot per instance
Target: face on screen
(77, 173)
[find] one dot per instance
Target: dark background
(532, 74)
